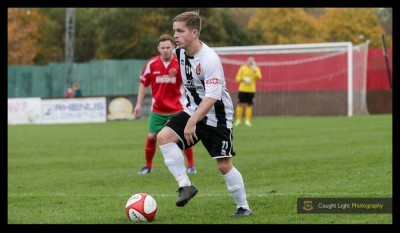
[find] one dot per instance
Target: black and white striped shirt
(203, 76)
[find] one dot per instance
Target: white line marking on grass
(332, 194)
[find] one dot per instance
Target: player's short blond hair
(191, 18)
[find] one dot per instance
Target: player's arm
(258, 73)
(190, 129)
(239, 74)
(202, 110)
(140, 97)
(144, 81)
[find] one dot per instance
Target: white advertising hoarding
(24, 111)
(75, 110)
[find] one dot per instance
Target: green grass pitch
(85, 173)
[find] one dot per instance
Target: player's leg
(150, 150)
(235, 184)
(239, 108)
(248, 114)
(239, 113)
(219, 145)
(156, 122)
(249, 108)
(189, 153)
(173, 156)
(171, 142)
(150, 147)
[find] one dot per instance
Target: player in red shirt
(162, 74)
(70, 93)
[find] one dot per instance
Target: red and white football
(141, 207)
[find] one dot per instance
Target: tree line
(37, 35)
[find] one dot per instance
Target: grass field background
(85, 173)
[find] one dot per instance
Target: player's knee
(152, 136)
(224, 165)
(162, 137)
(166, 135)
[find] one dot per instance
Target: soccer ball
(141, 207)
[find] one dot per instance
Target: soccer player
(162, 74)
(70, 93)
(77, 90)
(247, 76)
(207, 116)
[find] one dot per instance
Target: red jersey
(165, 84)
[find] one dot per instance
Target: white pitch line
(308, 195)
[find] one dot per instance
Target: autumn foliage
(23, 35)
(37, 35)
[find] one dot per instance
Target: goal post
(303, 79)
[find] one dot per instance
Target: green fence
(96, 78)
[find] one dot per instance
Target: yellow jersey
(247, 77)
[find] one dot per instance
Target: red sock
(189, 155)
(150, 150)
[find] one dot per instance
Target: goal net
(303, 79)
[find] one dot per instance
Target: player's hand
(253, 67)
(137, 111)
(190, 134)
(247, 80)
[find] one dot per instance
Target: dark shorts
(246, 97)
(217, 140)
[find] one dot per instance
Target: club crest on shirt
(172, 72)
(198, 69)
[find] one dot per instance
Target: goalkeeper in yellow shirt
(247, 76)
